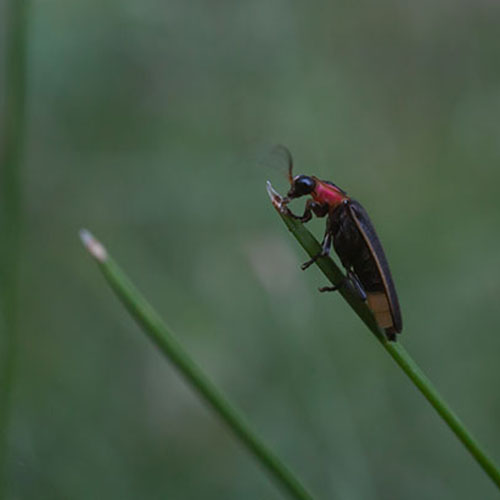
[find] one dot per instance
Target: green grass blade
(11, 153)
(396, 350)
(157, 331)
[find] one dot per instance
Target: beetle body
(354, 239)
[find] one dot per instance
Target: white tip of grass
(274, 195)
(276, 198)
(93, 246)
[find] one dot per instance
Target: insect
(354, 239)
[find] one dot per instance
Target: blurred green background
(151, 123)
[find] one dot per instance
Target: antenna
(288, 158)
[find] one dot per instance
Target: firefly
(353, 236)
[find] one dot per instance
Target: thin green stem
(154, 327)
(397, 351)
(10, 211)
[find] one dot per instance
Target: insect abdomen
(351, 246)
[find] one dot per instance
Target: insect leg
(320, 210)
(357, 286)
(345, 281)
(351, 279)
(325, 250)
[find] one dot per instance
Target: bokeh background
(151, 123)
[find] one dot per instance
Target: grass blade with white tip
(155, 328)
